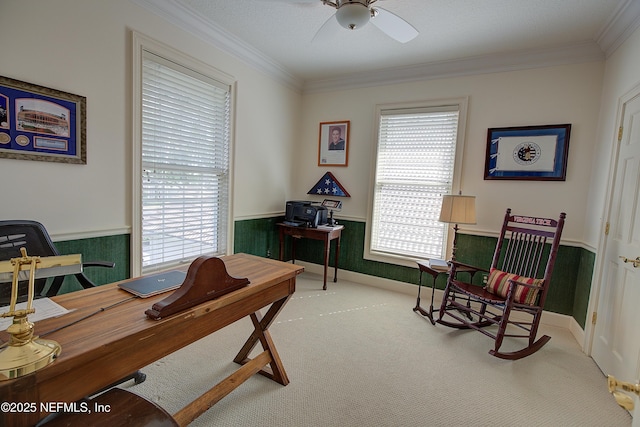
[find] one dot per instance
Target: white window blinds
(185, 163)
(415, 166)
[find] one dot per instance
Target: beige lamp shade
(458, 209)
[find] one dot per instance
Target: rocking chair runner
(516, 288)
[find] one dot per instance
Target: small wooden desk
(434, 270)
(325, 234)
(107, 346)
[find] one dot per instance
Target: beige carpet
(359, 356)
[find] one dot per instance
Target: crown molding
(215, 35)
(570, 54)
(624, 21)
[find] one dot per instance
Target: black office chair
(31, 235)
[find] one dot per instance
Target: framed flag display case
(535, 153)
(39, 123)
(328, 185)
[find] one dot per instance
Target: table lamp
(26, 353)
(457, 209)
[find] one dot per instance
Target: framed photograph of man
(333, 144)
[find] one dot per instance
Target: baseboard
(577, 331)
(548, 318)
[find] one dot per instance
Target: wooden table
(107, 346)
(325, 234)
(434, 269)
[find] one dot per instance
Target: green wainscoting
(111, 248)
(569, 292)
(257, 237)
(583, 286)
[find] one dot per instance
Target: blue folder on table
(155, 284)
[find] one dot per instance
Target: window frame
(461, 103)
(142, 44)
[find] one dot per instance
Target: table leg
(335, 271)
(294, 239)
(250, 366)
(261, 333)
(418, 308)
(193, 410)
(327, 248)
(281, 234)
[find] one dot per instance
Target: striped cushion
(498, 284)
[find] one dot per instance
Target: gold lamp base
(25, 354)
(19, 361)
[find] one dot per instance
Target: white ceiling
(456, 36)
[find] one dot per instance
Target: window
(416, 164)
(184, 164)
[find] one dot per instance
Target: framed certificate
(333, 144)
(536, 153)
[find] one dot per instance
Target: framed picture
(333, 144)
(535, 153)
(39, 123)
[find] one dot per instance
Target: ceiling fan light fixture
(353, 16)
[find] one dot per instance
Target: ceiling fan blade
(297, 3)
(328, 29)
(394, 26)
(306, 2)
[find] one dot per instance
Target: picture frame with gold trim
(333, 143)
(41, 123)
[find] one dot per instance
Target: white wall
(84, 47)
(555, 95)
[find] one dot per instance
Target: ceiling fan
(355, 14)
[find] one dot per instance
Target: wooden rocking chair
(516, 286)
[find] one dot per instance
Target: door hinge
(606, 229)
(594, 318)
(620, 134)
